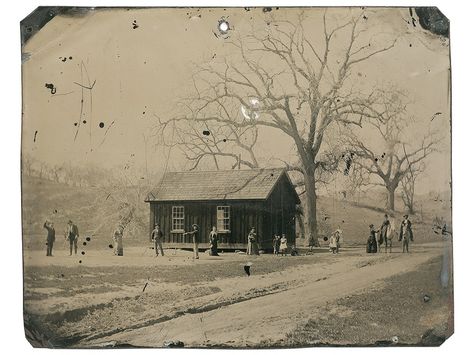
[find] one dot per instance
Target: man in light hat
(195, 234)
(406, 233)
(72, 234)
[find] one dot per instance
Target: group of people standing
(71, 234)
(386, 233)
(335, 241)
(280, 245)
(157, 237)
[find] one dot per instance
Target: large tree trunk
(301, 225)
(391, 198)
(310, 185)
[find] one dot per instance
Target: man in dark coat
(384, 230)
(50, 238)
(72, 234)
(406, 233)
(157, 237)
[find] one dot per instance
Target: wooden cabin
(232, 200)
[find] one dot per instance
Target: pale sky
(144, 71)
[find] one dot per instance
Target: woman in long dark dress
(372, 241)
(213, 238)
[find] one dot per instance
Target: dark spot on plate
(88, 239)
(325, 239)
(80, 261)
(75, 123)
(50, 87)
(101, 125)
(111, 246)
(84, 243)
(206, 133)
(83, 252)
(84, 121)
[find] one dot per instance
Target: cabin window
(223, 218)
(177, 216)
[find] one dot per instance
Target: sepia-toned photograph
(240, 177)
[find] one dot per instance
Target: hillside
(354, 218)
(43, 199)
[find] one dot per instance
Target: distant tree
(27, 162)
(120, 202)
(382, 149)
(408, 187)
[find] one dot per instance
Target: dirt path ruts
(272, 316)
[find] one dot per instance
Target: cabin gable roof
(250, 184)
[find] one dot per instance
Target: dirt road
(264, 308)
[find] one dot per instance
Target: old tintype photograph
(236, 177)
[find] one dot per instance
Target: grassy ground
(411, 308)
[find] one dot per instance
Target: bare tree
(408, 187)
(218, 144)
(383, 150)
(120, 202)
(284, 79)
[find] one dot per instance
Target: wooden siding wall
(276, 215)
(243, 216)
(282, 211)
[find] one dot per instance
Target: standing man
(50, 238)
(312, 242)
(195, 234)
(276, 244)
(385, 231)
(337, 234)
(406, 233)
(118, 237)
(72, 234)
(157, 237)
